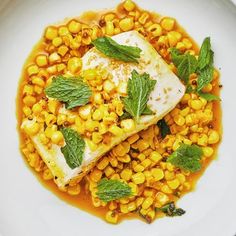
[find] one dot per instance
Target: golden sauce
(83, 200)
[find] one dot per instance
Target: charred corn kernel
(173, 184)
(63, 30)
(138, 168)
(109, 28)
(138, 178)
(74, 26)
(91, 145)
(131, 206)
(124, 208)
(26, 110)
(168, 23)
(162, 198)
(208, 151)
(142, 145)
(50, 119)
(74, 190)
(51, 33)
(85, 112)
(37, 108)
(74, 65)
(179, 120)
(115, 130)
(96, 137)
(109, 171)
(143, 18)
(155, 29)
(207, 88)
(146, 163)
(166, 189)
(29, 100)
(108, 86)
(126, 24)
(126, 174)
(173, 37)
(32, 128)
(41, 60)
(32, 70)
(54, 58)
(127, 125)
(38, 81)
(155, 156)
(196, 104)
(129, 5)
(157, 173)
(57, 41)
(202, 140)
(187, 43)
(57, 137)
(213, 137)
(103, 163)
(62, 50)
(47, 174)
(95, 175)
(147, 202)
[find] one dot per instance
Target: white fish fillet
(167, 93)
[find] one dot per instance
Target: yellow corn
(124, 208)
(131, 206)
(155, 29)
(74, 190)
(115, 130)
(202, 140)
(157, 173)
(155, 157)
(168, 23)
(109, 171)
(41, 60)
(147, 203)
(173, 184)
(142, 145)
(54, 58)
(126, 174)
(128, 125)
(208, 151)
(214, 137)
(57, 137)
(85, 111)
(126, 24)
(162, 198)
(111, 217)
(138, 168)
(32, 128)
(32, 70)
(74, 26)
(138, 178)
(51, 33)
(74, 65)
(129, 5)
(95, 175)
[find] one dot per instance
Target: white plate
(28, 209)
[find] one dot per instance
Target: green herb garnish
(112, 189)
(139, 89)
(187, 157)
(114, 50)
(171, 210)
(73, 91)
(73, 151)
(164, 128)
(187, 64)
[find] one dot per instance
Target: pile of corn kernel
(140, 160)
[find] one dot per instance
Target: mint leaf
(205, 57)
(73, 151)
(186, 64)
(138, 89)
(171, 210)
(209, 97)
(112, 189)
(205, 77)
(114, 50)
(187, 157)
(73, 91)
(164, 128)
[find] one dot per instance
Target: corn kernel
(202, 140)
(41, 60)
(129, 5)
(179, 120)
(138, 178)
(207, 88)
(143, 18)
(109, 28)
(155, 157)
(214, 137)
(109, 171)
(74, 65)
(138, 168)
(162, 198)
(168, 23)
(142, 145)
(131, 206)
(115, 130)
(74, 26)
(173, 37)
(208, 151)
(126, 174)
(50, 119)
(95, 175)
(51, 33)
(47, 174)
(91, 145)
(63, 31)
(85, 111)
(146, 163)
(187, 43)
(165, 189)
(126, 24)
(124, 208)
(32, 70)
(103, 163)
(111, 217)
(32, 128)
(96, 137)
(181, 178)
(155, 29)
(173, 184)
(196, 104)
(108, 86)
(54, 58)
(157, 173)
(128, 125)
(147, 203)
(74, 190)
(29, 100)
